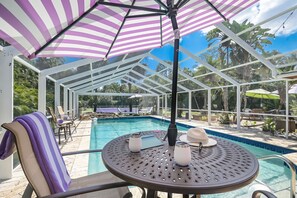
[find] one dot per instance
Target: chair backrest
(61, 111)
(39, 154)
(51, 112)
(150, 109)
(27, 158)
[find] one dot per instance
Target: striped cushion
(46, 151)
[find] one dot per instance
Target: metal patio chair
(61, 125)
(44, 166)
(65, 117)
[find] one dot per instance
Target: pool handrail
(292, 168)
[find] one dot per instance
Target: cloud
(206, 30)
(267, 8)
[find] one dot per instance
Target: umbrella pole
(172, 130)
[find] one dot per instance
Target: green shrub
(269, 125)
(204, 118)
(224, 119)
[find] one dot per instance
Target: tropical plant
(230, 53)
(269, 125)
(224, 118)
(45, 63)
(25, 90)
(26, 86)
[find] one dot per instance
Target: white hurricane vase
(135, 143)
(182, 153)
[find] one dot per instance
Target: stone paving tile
(78, 165)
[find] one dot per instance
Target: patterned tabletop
(221, 168)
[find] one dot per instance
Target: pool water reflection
(272, 172)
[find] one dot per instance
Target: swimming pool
(272, 172)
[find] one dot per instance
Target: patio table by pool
(221, 168)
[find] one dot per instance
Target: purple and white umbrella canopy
(105, 28)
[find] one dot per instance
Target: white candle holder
(135, 142)
(182, 153)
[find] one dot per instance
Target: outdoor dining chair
(44, 166)
(60, 124)
(64, 116)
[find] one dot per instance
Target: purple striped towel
(45, 148)
(7, 146)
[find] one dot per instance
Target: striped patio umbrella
(105, 28)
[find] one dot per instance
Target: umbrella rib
(181, 3)
(178, 3)
(213, 7)
(162, 4)
(145, 15)
(116, 36)
(65, 29)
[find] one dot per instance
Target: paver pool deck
(77, 165)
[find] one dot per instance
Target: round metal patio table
(221, 168)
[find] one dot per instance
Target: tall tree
(231, 53)
(45, 63)
(25, 90)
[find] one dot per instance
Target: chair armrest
(88, 190)
(264, 192)
(81, 152)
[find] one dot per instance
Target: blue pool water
(272, 172)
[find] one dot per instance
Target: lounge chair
(107, 112)
(61, 125)
(146, 111)
(126, 111)
(44, 166)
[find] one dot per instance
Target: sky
(284, 28)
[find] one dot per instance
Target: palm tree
(230, 53)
